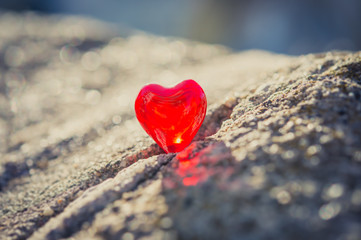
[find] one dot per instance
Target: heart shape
(171, 116)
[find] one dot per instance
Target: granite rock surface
(277, 157)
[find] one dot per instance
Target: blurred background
(282, 26)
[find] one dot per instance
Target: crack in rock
(96, 198)
(36, 214)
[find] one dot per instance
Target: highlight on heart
(171, 116)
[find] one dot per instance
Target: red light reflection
(196, 167)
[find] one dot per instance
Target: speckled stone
(277, 157)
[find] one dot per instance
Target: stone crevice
(96, 198)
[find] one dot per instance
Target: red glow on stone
(199, 162)
(171, 116)
(191, 181)
(190, 168)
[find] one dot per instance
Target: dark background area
(283, 26)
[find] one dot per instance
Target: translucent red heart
(171, 116)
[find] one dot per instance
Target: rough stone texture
(278, 156)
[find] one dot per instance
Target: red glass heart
(171, 116)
